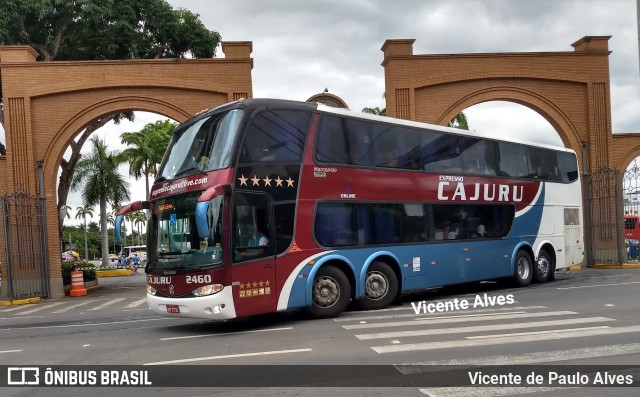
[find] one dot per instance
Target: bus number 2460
(201, 278)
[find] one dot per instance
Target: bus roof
(255, 103)
(449, 130)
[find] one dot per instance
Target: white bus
(130, 250)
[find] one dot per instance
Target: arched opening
(508, 119)
(80, 229)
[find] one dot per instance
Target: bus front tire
(330, 294)
(524, 269)
(381, 287)
(543, 267)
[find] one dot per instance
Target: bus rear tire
(543, 267)
(523, 269)
(381, 287)
(330, 294)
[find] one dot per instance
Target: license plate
(173, 309)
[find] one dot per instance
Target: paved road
(587, 317)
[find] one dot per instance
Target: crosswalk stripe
(413, 314)
(529, 333)
(66, 309)
(17, 307)
(136, 303)
(41, 307)
(524, 359)
(457, 319)
(108, 303)
(482, 328)
(499, 340)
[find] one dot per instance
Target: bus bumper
(214, 307)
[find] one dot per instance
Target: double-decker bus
(266, 205)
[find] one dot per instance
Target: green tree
(129, 217)
(376, 110)
(82, 212)
(146, 149)
(140, 219)
(64, 30)
(460, 121)
(111, 220)
(99, 182)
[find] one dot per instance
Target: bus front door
(253, 269)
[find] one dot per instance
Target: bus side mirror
(201, 219)
(135, 206)
(202, 223)
(118, 226)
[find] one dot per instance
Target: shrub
(88, 271)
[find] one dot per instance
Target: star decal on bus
(279, 182)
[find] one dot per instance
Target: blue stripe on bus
(432, 265)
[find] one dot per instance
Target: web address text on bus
(180, 185)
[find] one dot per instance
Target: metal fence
(609, 196)
(26, 246)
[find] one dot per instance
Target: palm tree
(64, 212)
(146, 149)
(130, 217)
(376, 110)
(82, 212)
(111, 220)
(460, 121)
(140, 218)
(100, 183)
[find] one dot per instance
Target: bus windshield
(201, 146)
(173, 240)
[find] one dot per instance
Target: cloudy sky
(300, 47)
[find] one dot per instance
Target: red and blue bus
(347, 207)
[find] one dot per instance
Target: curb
(20, 301)
(624, 266)
(114, 273)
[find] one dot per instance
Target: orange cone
(77, 284)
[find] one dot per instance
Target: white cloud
(301, 47)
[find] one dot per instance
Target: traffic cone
(77, 284)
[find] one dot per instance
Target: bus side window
(513, 160)
(358, 142)
(331, 142)
(334, 224)
(275, 135)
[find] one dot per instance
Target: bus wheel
(542, 269)
(524, 269)
(381, 287)
(330, 294)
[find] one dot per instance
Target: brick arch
(62, 138)
(569, 89)
(47, 104)
(629, 149)
(555, 115)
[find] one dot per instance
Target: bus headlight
(207, 290)
(151, 290)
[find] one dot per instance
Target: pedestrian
(136, 262)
